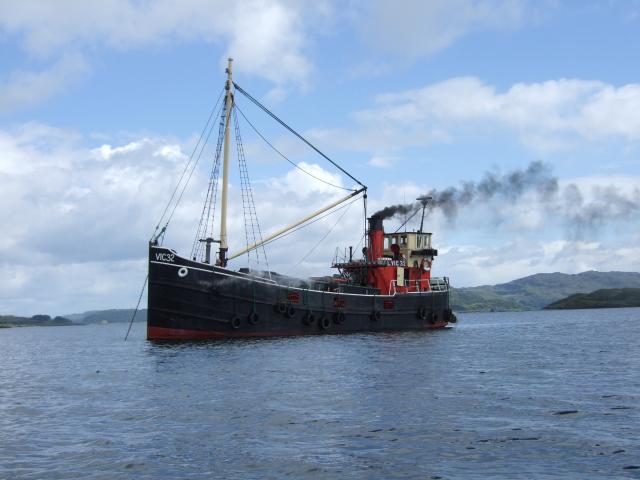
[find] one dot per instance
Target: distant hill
(35, 321)
(529, 293)
(110, 316)
(604, 298)
(537, 291)
(93, 316)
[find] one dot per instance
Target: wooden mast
(222, 258)
(224, 247)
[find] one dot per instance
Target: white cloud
(23, 89)
(416, 28)
(555, 114)
(269, 36)
(471, 265)
(382, 161)
(77, 218)
(302, 185)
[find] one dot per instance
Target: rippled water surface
(502, 395)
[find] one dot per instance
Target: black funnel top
(375, 223)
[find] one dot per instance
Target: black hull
(191, 300)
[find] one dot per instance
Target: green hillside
(93, 316)
(537, 291)
(604, 298)
(529, 293)
(34, 321)
(110, 316)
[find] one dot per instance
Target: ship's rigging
(228, 121)
(389, 288)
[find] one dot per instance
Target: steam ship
(389, 288)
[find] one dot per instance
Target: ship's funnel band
(376, 238)
(375, 223)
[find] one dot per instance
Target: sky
(102, 104)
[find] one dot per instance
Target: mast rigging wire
(277, 119)
(186, 183)
(408, 219)
(146, 279)
(323, 238)
(184, 171)
(248, 203)
(309, 223)
(284, 156)
(208, 208)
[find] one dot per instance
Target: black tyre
(253, 318)
(325, 323)
(309, 319)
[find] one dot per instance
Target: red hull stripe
(163, 333)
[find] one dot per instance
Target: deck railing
(435, 284)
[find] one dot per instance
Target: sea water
(550, 394)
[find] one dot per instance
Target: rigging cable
(146, 279)
(355, 249)
(248, 203)
(407, 220)
(184, 171)
(284, 156)
(309, 223)
(186, 183)
(275, 117)
(323, 238)
(208, 208)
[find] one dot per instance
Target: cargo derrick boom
(393, 263)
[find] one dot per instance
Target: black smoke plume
(393, 210)
(537, 176)
(566, 204)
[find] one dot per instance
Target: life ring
(325, 322)
(376, 315)
(183, 272)
(253, 318)
(422, 313)
(309, 319)
(235, 323)
(291, 311)
(281, 308)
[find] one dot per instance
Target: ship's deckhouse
(412, 248)
(397, 262)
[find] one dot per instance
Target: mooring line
(144, 285)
